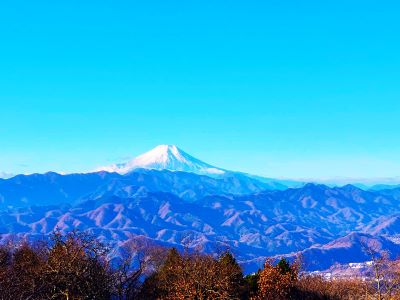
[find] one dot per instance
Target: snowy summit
(165, 157)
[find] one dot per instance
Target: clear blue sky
(278, 88)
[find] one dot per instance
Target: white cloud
(5, 175)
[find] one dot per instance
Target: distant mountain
(166, 168)
(352, 248)
(379, 187)
(387, 225)
(171, 158)
(53, 189)
(50, 188)
(253, 226)
(392, 192)
(165, 157)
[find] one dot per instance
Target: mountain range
(172, 198)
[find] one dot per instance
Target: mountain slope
(352, 248)
(171, 158)
(165, 157)
(52, 188)
(253, 226)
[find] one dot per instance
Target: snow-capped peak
(165, 157)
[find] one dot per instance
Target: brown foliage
(277, 281)
(72, 267)
(76, 266)
(195, 276)
(317, 288)
(20, 272)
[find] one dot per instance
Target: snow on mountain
(165, 157)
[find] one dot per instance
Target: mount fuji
(173, 159)
(165, 157)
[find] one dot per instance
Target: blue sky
(300, 89)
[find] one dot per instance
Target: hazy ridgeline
(77, 266)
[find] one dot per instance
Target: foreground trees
(72, 267)
(77, 266)
(195, 276)
(278, 281)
